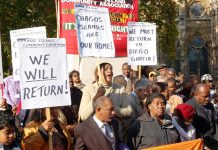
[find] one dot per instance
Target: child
(7, 132)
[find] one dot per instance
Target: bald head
(100, 102)
(201, 93)
(200, 88)
(104, 109)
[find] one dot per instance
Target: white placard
(141, 43)
(44, 74)
(37, 32)
(94, 31)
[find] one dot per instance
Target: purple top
(11, 91)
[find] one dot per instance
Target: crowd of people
(115, 113)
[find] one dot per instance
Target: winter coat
(146, 132)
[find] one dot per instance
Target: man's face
(107, 111)
(7, 135)
(163, 71)
(203, 95)
(143, 93)
(126, 70)
(171, 74)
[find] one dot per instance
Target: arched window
(198, 56)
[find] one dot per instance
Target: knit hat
(185, 111)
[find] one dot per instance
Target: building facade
(197, 46)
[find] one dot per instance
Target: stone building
(197, 47)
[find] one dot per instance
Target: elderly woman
(36, 132)
(153, 128)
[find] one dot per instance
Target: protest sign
(141, 44)
(94, 31)
(1, 70)
(120, 13)
(37, 32)
(43, 71)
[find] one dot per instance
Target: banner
(37, 32)
(1, 70)
(141, 43)
(189, 145)
(120, 12)
(43, 71)
(94, 31)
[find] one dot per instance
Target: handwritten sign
(94, 31)
(120, 12)
(142, 43)
(37, 32)
(43, 71)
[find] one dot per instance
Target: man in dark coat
(98, 132)
(202, 123)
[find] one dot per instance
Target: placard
(37, 32)
(141, 43)
(44, 74)
(94, 31)
(120, 12)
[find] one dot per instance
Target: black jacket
(201, 122)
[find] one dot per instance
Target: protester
(174, 99)
(146, 70)
(161, 88)
(162, 69)
(137, 99)
(171, 73)
(194, 80)
(8, 139)
(208, 80)
(99, 131)
(201, 122)
(125, 79)
(152, 76)
(11, 90)
(71, 112)
(75, 76)
(161, 78)
(36, 132)
(153, 128)
(182, 120)
(104, 86)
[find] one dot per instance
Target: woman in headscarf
(103, 86)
